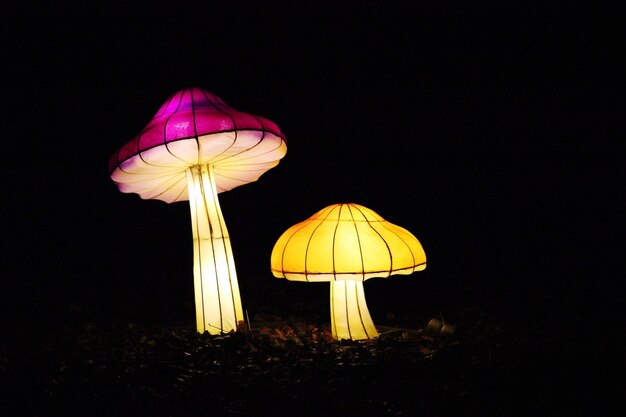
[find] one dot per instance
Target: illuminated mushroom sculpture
(346, 244)
(195, 147)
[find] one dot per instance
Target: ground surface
(288, 365)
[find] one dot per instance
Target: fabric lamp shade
(346, 244)
(195, 147)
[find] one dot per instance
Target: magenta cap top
(195, 127)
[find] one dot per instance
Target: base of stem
(350, 318)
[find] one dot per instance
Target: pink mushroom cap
(195, 127)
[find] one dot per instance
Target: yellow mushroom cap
(346, 242)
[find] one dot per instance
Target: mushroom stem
(350, 318)
(218, 303)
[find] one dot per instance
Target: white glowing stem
(350, 318)
(218, 303)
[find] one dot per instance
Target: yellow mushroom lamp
(346, 244)
(195, 147)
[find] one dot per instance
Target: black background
(489, 132)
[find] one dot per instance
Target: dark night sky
(490, 133)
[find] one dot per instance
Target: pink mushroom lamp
(195, 147)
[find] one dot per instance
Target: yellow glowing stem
(218, 303)
(350, 318)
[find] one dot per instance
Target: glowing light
(346, 244)
(195, 147)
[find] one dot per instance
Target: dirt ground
(286, 365)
